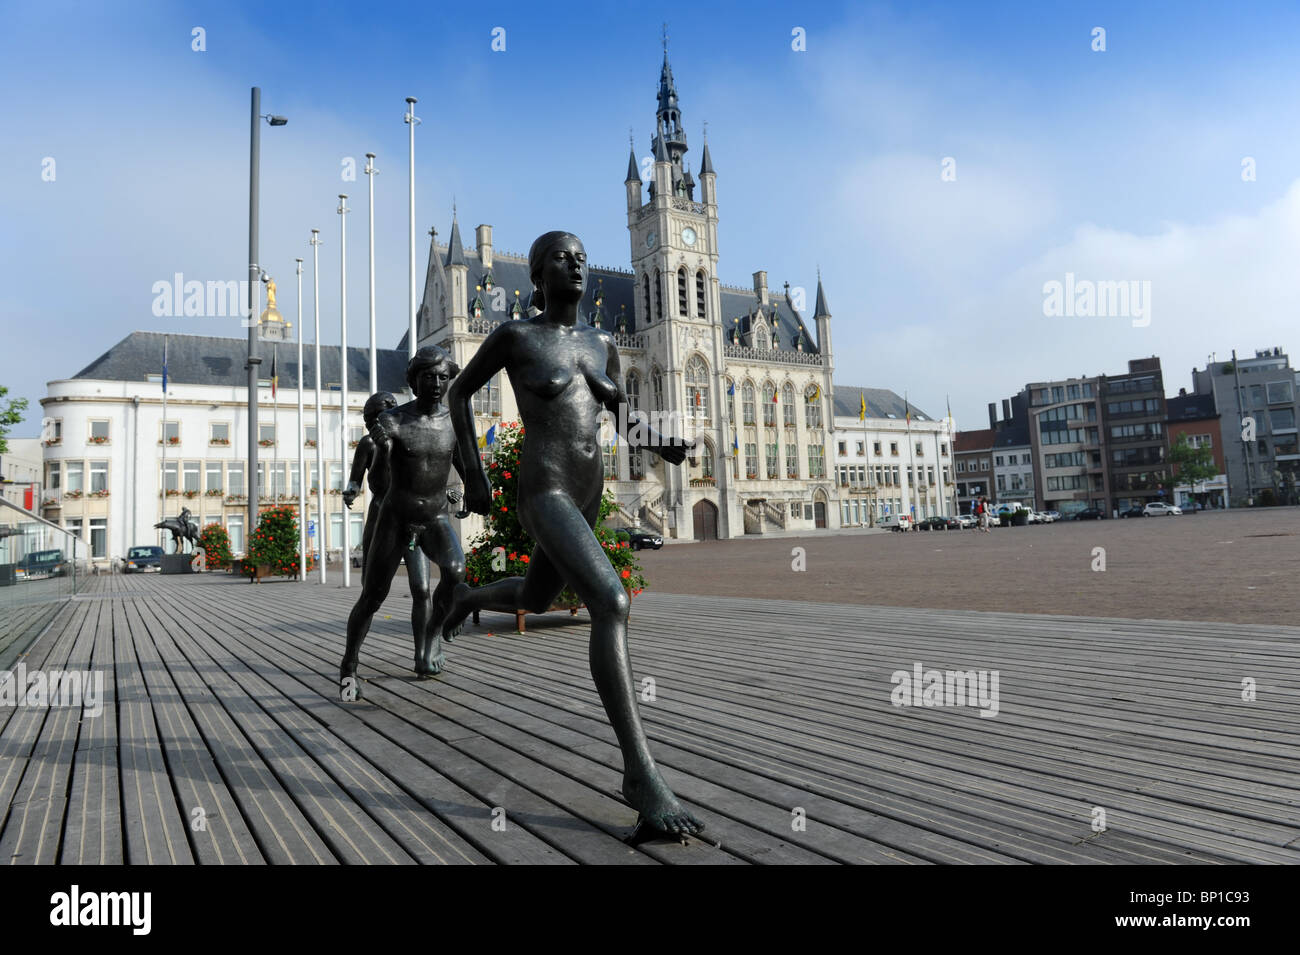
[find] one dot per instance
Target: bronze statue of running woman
(565, 373)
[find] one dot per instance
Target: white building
(1013, 465)
(113, 467)
(20, 472)
(887, 461)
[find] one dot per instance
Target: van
(896, 522)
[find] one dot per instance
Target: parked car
(1055, 515)
(1046, 517)
(932, 524)
(1135, 511)
(952, 524)
(968, 520)
(1158, 509)
(41, 563)
(896, 522)
(140, 560)
(1089, 514)
(639, 540)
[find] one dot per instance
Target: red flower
(504, 508)
(506, 475)
(524, 558)
(514, 556)
(626, 573)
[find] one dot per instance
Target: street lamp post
(254, 296)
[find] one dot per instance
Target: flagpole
(163, 515)
(871, 509)
(412, 120)
(374, 355)
(320, 417)
(911, 458)
(275, 420)
(343, 211)
(302, 454)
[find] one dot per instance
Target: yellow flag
(862, 410)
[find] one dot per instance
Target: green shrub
(216, 546)
(275, 542)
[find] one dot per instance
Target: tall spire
(706, 162)
(822, 308)
(633, 173)
(455, 251)
(669, 132)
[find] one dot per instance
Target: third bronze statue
(564, 374)
(414, 450)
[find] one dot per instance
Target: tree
(1192, 465)
(503, 549)
(11, 413)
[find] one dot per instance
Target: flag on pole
(862, 407)
(488, 439)
(814, 396)
(275, 375)
(164, 380)
(735, 446)
(774, 394)
(731, 388)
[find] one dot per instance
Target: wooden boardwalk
(222, 739)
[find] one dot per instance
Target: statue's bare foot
(431, 667)
(660, 812)
(457, 611)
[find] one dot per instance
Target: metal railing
(41, 566)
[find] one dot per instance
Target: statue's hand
(478, 493)
(350, 493)
(674, 450)
(380, 433)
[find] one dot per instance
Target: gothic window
(681, 292)
(751, 458)
(657, 389)
(761, 341)
(748, 401)
(731, 401)
(791, 457)
(787, 405)
(769, 405)
(659, 296)
(635, 464)
(609, 455)
(633, 391)
(706, 459)
(773, 453)
(645, 287)
(697, 388)
(812, 407)
(699, 294)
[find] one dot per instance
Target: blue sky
(1117, 165)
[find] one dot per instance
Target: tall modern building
(1256, 399)
(748, 370)
(1137, 444)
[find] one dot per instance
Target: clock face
(650, 239)
(688, 235)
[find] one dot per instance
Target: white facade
(884, 466)
(20, 469)
(111, 471)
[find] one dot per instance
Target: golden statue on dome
(272, 326)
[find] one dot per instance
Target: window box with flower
(97, 439)
(72, 495)
(100, 494)
(266, 443)
(213, 492)
(220, 442)
(171, 439)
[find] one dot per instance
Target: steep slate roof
(618, 291)
(881, 403)
(206, 360)
(978, 440)
(1191, 408)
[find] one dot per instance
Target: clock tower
(674, 234)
